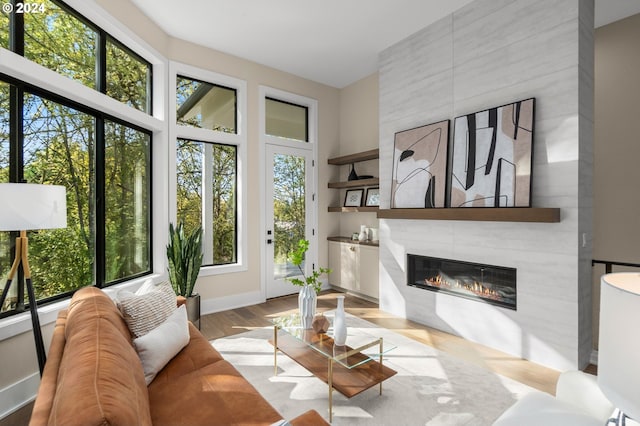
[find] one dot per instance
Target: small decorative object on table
(340, 324)
(311, 285)
(320, 324)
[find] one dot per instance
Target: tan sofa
(93, 376)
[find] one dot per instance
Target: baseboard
(210, 306)
(19, 394)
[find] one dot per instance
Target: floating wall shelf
(361, 209)
(354, 158)
(481, 214)
(355, 183)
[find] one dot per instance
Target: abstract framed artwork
(492, 157)
(353, 198)
(419, 177)
(373, 197)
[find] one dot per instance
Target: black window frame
(16, 45)
(18, 88)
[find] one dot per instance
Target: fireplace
(487, 283)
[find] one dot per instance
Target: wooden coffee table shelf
(345, 369)
(348, 381)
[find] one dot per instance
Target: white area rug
(431, 387)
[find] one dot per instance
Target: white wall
(358, 132)
(487, 54)
(616, 149)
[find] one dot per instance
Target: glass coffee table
(349, 369)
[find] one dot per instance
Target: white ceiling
(335, 42)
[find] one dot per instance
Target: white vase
(363, 233)
(339, 324)
(307, 302)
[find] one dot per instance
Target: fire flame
(476, 288)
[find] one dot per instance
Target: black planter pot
(193, 309)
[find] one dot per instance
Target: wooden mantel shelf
(481, 214)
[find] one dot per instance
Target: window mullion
(101, 62)
(207, 203)
(16, 169)
(100, 204)
(16, 32)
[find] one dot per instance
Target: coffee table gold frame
(314, 349)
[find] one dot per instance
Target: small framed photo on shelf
(373, 197)
(353, 198)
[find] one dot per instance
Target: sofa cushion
(100, 379)
(161, 344)
(197, 354)
(148, 308)
(223, 397)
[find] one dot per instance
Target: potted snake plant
(184, 255)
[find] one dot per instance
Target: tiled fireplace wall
(490, 53)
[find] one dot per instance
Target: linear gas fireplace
(491, 284)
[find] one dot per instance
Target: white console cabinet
(354, 266)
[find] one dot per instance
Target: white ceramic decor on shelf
(363, 233)
(340, 324)
(307, 302)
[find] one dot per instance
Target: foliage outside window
(104, 163)
(4, 29)
(206, 196)
(59, 149)
(5, 237)
(58, 39)
(128, 77)
(205, 105)
(127, 190)
(288, 204)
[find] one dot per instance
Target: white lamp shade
(619, 342)
(26, 206)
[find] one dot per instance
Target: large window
(206, 196)
(103, 161)
(209, 129)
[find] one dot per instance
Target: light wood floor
(239, 320)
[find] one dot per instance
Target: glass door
(289, 209)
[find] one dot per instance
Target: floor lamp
(29, 207)
(619, 345)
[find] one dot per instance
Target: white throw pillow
(161, 344)
(147, 308)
